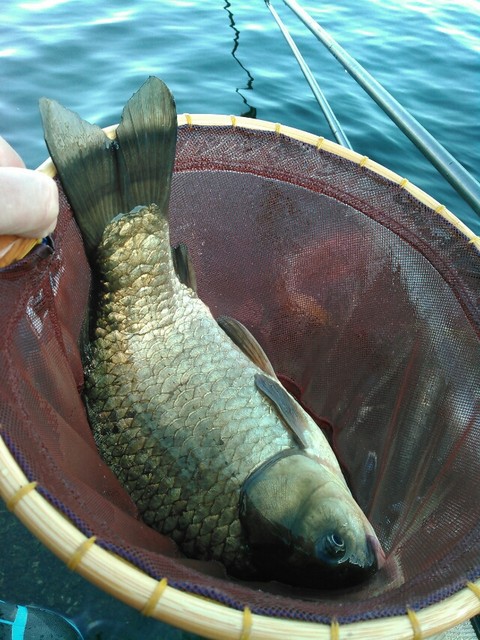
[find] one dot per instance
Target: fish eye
(332, 545)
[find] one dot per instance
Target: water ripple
(232, 59)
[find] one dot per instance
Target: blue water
(229, 57)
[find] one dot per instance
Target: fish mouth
(285, 564)
(275, 562)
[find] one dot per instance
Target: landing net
(364, 293)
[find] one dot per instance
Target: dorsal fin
(183, 266)
(241, 336)
(291, 412)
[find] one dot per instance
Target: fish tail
(103, 177)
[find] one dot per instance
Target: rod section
(330, 117)
(460, 179)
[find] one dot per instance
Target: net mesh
(367, 304)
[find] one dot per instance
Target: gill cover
(301, 527)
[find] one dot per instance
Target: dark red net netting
(367, 304)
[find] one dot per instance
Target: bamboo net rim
(193, 613)
(198, 614)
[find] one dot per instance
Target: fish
(185, 408)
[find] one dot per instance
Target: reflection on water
(92, 56)
(251, 111)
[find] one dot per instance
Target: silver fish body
(189, 423)
(187, 411)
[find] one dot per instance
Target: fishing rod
(330, 117)
(460, 179)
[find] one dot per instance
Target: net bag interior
(366, 302)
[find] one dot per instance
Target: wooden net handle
(14, 248)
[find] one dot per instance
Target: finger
(28, 202)
(8, 156)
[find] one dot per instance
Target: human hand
(28, 199)
(28, 205)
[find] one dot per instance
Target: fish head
(303, 526)
(331, 540)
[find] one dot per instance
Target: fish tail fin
(83, 156)
(103, 177)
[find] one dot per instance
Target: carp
(186, 409)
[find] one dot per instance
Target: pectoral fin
(184, 266)
(291, 412)
(245, 341)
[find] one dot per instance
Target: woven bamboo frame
(198, 614)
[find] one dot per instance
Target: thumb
(29, 202)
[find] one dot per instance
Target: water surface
(229, 57)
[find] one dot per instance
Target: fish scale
(178, 402)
